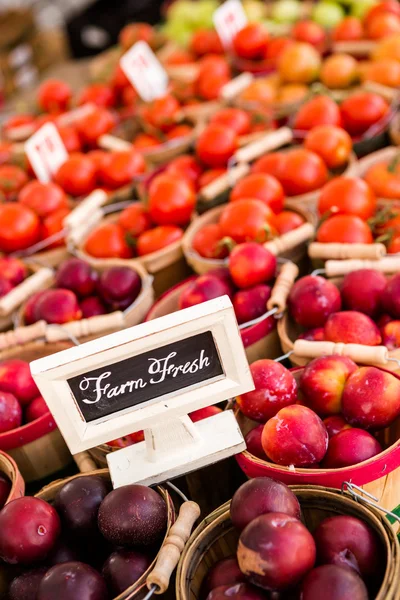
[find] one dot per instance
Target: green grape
(255, 10)
(286, 11)
(328, 14)
(178, 32)
(360, 7)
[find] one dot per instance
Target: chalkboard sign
(147, 376)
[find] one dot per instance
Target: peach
(35, 409)
(10, 412)
(206, 287)
(204, 413)
(13, 269)
(31, 307)
(250, 263)
(371, 398)
(346, 541)
(335, 424)
(58, 306)
(119, 287)
(350, 447)
(312, 299)
(313, 335)
(391, 335)
(275, 388)
(391, 296)
(295, 436)
(5, 286)
(251, 303)
(362, 290)
(16, 378)
(224, 572)
(322, 383)
(333, 583)
(261, 496)
(78, 276)
(263, 551)
(253, 442)
(352, 327)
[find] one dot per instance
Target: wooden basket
(383, 467)
(92, 327)
(38, 448)
(138, 590)
(202, 265)
(386, 154)
(215, 538)
(10, 469)
(167, 266)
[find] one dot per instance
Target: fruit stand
(200, 310)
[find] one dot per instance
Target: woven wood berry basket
(215, 538)
(9, 468)
(37, 448)
(381, 472)
(138, 590)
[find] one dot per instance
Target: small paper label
(145, 72)
(229, 18)
(46, 152)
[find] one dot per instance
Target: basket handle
(342, 251)
(283, 284)
(113, 143)
(85, 327)
(23, 335)
(237, 85)
(224, 182)
(269, 142)
(291, 239)
(85, 209)
(371, 355)
(84, 462)
(76, 235)
(358, 48)
(173, 546)
(388, 264)
(21, 292)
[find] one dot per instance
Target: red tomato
(262, 187)
(304, 172)
(77, 176)
(349, 29)
(54, 95)
(333, 144)
(108, 241)
(99, 94)
(119, 80)
(145, 141)
(70, 137)
(5, 152)
(287, 220)
(93, 125)
(275, 47)
(208, 176)
(19, 227)
(135, 32)
(382, 26)
(121, 168)
(384, 178)
(234, 118)
(185, 166)
(100, 158)
(158, 238)
(129, 96)
(43, 198)
(215, 145)
(179, 57)
(206, 41)
(310, 32)
(52, 224)
(247, 220)
(271, 164)
(161, 113)
(209, 86)
(251, 41)
(214, 65)
(17, 121)
(344, 229)
(208, 242)
(347, 195)
(320, 110)
(387, 6)
(362, 110)
(394, 245)
(171, 200)
(12, 180)
(135, 219)
(179, 131)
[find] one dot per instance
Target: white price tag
(228, 19)
(145, 72)
(46, 152)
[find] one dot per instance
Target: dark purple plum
(72, 581)
(26, 586)
(119, 287)
(78, 276)
(123, 568)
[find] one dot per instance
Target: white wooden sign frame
(51, 373)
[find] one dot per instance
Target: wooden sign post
(150, 377)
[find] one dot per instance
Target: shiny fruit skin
(299, 63)
(208, 242)
(362, 110)
(349, 196)
(339, 71)
(54, 95)
(77, 176)
(288, 220)
(251, 41)
(135, 219)
(19, 227)
(215, 145)
(344, 229)
(250, 264)
(320, 110)
(43, 198)
(12, 180)
(158, 238)
(304, 172)
(72, 580)
(121, 168)
(349, 29)
(247, 221)
(171, 200)
(262, 187)
(108, 241)
(333, 144)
